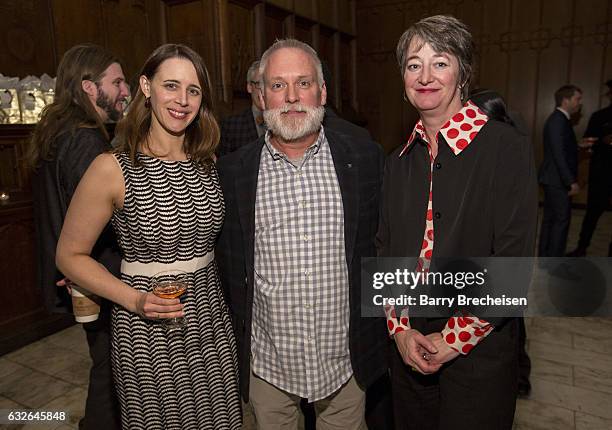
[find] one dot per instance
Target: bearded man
(90, 91)
(301, 211)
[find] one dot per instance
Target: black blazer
(237, 131)
(560, 164)
(359, 165)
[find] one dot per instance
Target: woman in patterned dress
(160, 190)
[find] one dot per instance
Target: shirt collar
(312, 149)
(567, 115)
(458, 132)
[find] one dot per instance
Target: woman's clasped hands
(425, 354)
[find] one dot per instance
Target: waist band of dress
(136, 268)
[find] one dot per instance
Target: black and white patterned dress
(182, 379)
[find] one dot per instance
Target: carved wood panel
(284, 4)
(26, 38)
(17, 263)
(193, 23)
(325, 9)
(24, 318)
(345, 78)
(303, 31)
(16, 230)
(273, 28)
(305, 8)
(345, 18)
(131, 33)
(326, 48)
(77, 21)
(242, 45)
(9, 176)
(13, 175)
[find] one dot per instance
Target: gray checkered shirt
(300, 341)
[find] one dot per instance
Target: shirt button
(307, 272)
(306, 238)
(307, 306)
(438, 215)
(438, 166)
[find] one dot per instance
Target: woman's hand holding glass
(150, 306)
(167, 287)
(163, 301)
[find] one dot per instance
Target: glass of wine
(170, 284)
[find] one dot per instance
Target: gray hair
(252, 72)
(296, 44)
(445, 34)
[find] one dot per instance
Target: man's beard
(106, 104)
(288, 128)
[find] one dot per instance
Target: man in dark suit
(599, 130)
(558, 172)
(245, 127)
(301, 210)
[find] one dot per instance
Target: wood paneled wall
(229, 34)
(36, 33)
(27, 38)
(526, 50)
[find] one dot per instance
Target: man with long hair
(90, 91)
